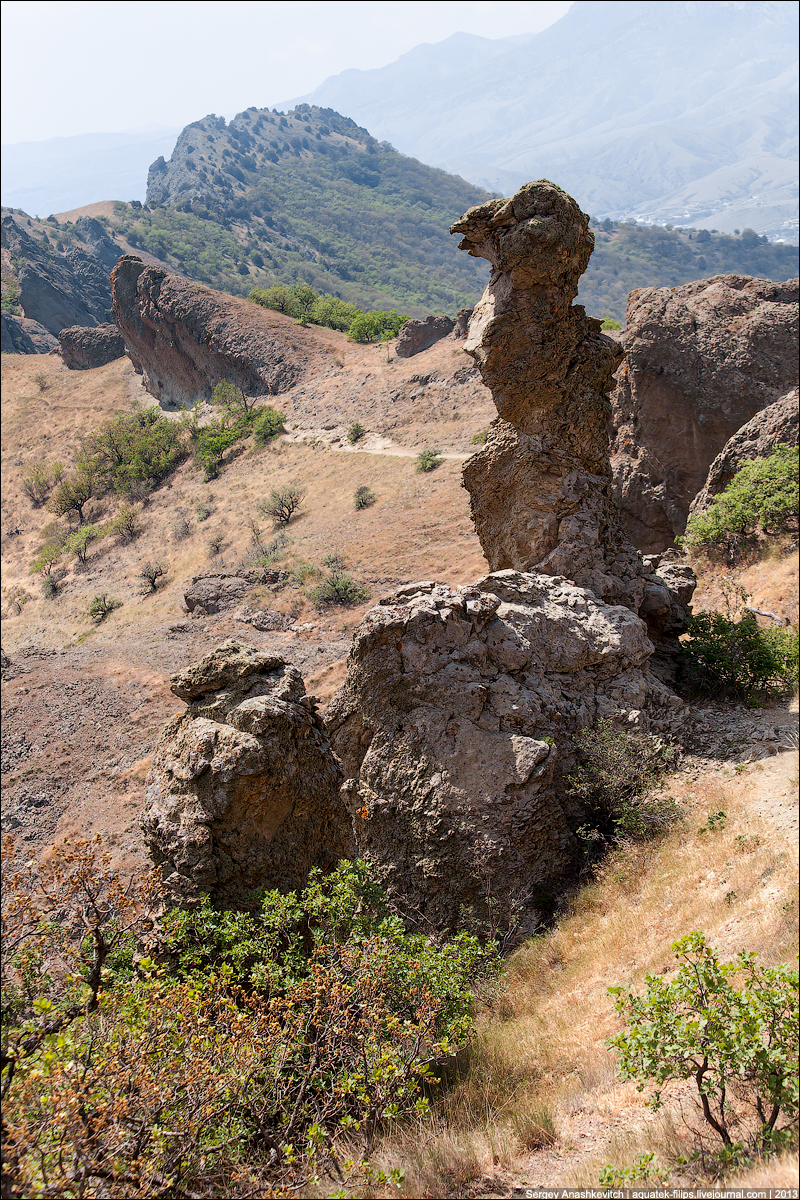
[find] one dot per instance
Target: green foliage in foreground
(725, 656)
(731, 1028)
(762, 497)
(338, 588)
(428, 460)
(262, 1061)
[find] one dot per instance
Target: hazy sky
(91, 66)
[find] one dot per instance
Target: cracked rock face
(454, 727)
(243, 792)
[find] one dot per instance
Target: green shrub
(74, 493)
(725, 656)
(127, 523)
(267, 425)
(338, 588)
(234, 399)
(644, 1170)
(141, 447)
(363, 497)
(203, 509)
(39, 480)
(261, 1063)
(355, 433)
(213, 440)
(428, 460)
(51, 585)
(101, 606)
(47, 558)
(732, 1028)
(151, 574)
(610, 323)
(479, 439)
(617, 769)
(761, 497)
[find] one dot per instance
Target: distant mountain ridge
(665, 110)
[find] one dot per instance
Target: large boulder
(183, 338)
(243, 791)
(416, 336)
(82, 348)
(455, 727)
(215, 592)
(701, 361)
(775, 426)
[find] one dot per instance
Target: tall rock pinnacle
(541, 487)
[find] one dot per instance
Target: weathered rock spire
(541, 487)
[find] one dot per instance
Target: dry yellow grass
(541, 1055)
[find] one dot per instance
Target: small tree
(355, 433)
(267, 425)
(282, 503)
(738, 1043)
(47, 558)
(39, 480)
(79, 541)
(228, 395)
(74, 493)
(150, 574)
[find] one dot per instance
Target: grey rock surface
(82, 348)
(455, 726)
(215, 592)
(20, 335)
(243, 791)
(701, 361)
(774, 426)
(416, 336)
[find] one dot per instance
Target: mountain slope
(660, 110)
(311, 197)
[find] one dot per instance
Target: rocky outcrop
(541, 487)
(454, 727)
(23, 336)
(82, 349)
(184, 338)
(58, 290)
(463, 318)
(97, 242)
(416, 336)
(243, 791)
(701, 361)
(213, 593)
(775, 426)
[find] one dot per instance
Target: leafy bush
(338, 588)
(282, 503)
(127, 523)
(212, 441)
(428, 460)
(355, 433)
(51, 586)
(762, 496)
(233, 398)
(267, 425)
(374, 326)
(267, 1057)
(203, 509)
(617, 769)
(74, 493)
(101, 606)
(610, 323)
(47, 558)
(722, 655)
(363, 497)
(737, 1041)
(181, 526)
(142, 447)
(39, 480)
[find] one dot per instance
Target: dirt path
(372, 443)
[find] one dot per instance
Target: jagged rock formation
(243, 789)
(59, 290)
(463, 318)
(184, 338)
(416, 336)
(701, 361)
(82, 349)
(541, 487)
(774, 426)
(23, 336)
(454, 727)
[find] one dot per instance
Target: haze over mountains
(682, 112)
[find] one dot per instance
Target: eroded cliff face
(184, 338)
(701, 361)
(541, 487)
